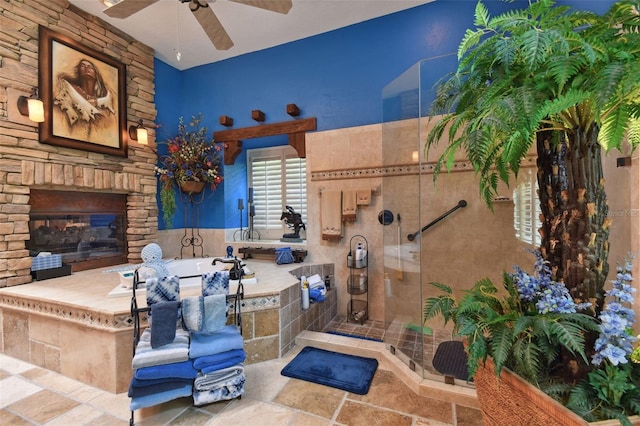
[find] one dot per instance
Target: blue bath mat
(342, 371)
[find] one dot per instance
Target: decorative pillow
(215, 283)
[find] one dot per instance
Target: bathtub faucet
(236, 272)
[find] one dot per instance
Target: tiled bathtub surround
(47, 322)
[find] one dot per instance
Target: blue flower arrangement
(537, 330)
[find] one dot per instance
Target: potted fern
(564, 82)
(523, 330)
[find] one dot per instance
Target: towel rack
(375, 190)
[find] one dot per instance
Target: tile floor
(31, 395)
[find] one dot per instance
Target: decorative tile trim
(84, 316)
(257, 304)
(398, 170)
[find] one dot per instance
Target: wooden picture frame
(84, 96)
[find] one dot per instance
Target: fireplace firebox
(87, 229)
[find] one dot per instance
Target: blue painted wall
(337, 77)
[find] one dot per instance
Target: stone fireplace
(29, 168)
(88, 229)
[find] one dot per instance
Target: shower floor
(417, 347)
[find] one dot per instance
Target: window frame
(267, 228)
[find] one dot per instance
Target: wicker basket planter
(509, 400)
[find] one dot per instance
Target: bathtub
(180, 267)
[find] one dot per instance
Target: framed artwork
(84, 96)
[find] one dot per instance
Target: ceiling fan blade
(126, 8)
(213, 27)
(279, 6)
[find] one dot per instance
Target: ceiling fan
(203, 13)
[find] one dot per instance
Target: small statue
(294, 221)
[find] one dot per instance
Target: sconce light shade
(32, 107)
(139, 133)
(36, 110)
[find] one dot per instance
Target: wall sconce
(139, 133)
(415, 156)
(32, 106)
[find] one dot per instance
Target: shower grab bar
(461, 203)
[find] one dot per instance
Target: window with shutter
(279, 179)
(526, 212)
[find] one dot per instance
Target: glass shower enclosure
(442, 231)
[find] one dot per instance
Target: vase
(192, 187)
(510, 400)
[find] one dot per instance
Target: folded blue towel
(315, 295)
(165, 317)
(139, 388)
(230, 361)
(180, 370)
(159, 397)
(212, 360)
(225, 339)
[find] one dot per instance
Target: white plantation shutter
(526, 212)
(278, 179)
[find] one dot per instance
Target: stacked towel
(161, 383)
(177, 370)
(331, 215)
(349, 206)
(215, 362)
(221, 385)
(225, 339)
(219, 358)
(176, 351)
(232, 388)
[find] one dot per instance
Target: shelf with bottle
(357, 284)
(358, 279)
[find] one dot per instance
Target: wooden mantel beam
(295, 129)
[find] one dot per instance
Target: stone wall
(25, 163)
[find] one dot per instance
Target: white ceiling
(168, 26)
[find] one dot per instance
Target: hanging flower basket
(192, 187)
(193, 161)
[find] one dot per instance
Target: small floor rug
(341, 371)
